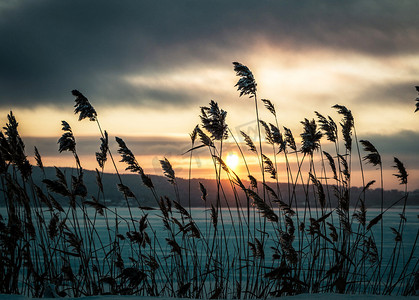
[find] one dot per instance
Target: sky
(148, 66)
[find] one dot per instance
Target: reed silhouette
(256, 243)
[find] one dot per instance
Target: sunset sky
(148, 66)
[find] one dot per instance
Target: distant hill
(164, 188)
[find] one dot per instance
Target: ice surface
(298, 297)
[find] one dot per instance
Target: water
(201, 217)
(229, 230)
(225, 252)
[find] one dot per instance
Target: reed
(266, 240)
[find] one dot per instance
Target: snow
(298, 297)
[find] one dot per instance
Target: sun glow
(232, 161)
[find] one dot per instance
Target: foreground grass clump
(258, 243)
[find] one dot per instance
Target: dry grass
(270, 248)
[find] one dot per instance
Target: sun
(232, 161)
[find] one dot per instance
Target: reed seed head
(268, 134)
(289, 139)
(128, 157)
(249, 142)
(328, 126)
(311, 137)
(203, 191)
(193, 134)
(12, 148)
(269, 106)
(67, 142)
(402, 174)
(347, 125)
(205, 139)
(331, 163)
(83, 107)
(253, 182)
(168, 170)
(373, 157)
(246, 84)
(101, 156)
(269, 166)
(214, 121)
(38, 159)
(264, 208)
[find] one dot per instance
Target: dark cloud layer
(403, 145)
(50, 47)
(90, 145)
(388, 94)
(403, 142)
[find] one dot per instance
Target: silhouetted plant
(83, 107)
(50, 243)
(402, 174)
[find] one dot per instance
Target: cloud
(404, 145)
(50, 47)
(389, 94)
(89, 145)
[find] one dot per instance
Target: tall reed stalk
(257, 239)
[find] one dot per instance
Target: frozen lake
(226, 252)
